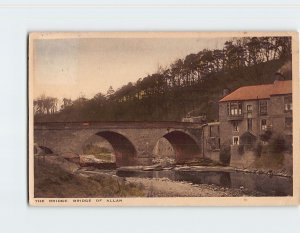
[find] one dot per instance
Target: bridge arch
(184, 145)
(124, 150)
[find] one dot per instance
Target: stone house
(211, 140)
(250, 111)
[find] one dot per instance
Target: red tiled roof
(260, 91)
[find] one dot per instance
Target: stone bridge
(132, 142)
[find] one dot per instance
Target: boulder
(92, 161)
(70, 156)
(58, 160)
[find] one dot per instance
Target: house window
(263, 107)
(249, 110)
(234, 109)
(235, 140)
(288, 106)
(263, 124)
(249, 124)
(235, 126)
(288, 122)
(210, 134)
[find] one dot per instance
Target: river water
(262, 183)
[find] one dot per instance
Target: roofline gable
(257, 92)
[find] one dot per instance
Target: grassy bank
(51, 181)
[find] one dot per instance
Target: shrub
(277, 144)
(258, 149)
(266, 136)
(241, 149)
(225, 154)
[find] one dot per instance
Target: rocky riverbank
(163, 187)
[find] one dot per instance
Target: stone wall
(211, 141)
(279, 162)
(279, 115)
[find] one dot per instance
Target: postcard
(163, 118)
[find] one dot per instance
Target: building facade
(211, 140)
(250, 111)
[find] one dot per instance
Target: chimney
(278, 76)
(226, 91)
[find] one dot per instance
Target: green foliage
(225, 154)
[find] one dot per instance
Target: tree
(254, 51)
(45, 105)
(66, 103)
(110, 92)
(285, 47)
(177, 71)
(192, 82)
(218, 59)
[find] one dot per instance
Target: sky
(73, 67)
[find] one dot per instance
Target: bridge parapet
(118, 124)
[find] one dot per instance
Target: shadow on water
(262, 183)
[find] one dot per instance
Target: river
(268, 185)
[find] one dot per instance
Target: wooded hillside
(190, 86)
